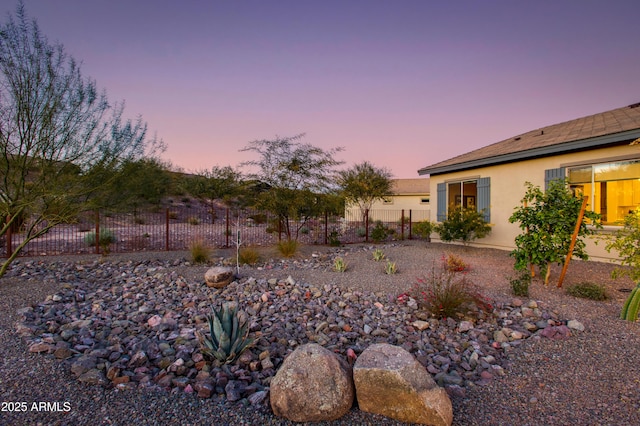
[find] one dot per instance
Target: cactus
(229, 334)
(631, 305)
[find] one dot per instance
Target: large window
(613, 188)
(469, 193)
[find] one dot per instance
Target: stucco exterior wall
(388, 212)
(508, 188)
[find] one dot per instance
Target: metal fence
(178, 229)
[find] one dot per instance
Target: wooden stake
(574, 237)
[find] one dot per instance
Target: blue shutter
(553, 174)
(484, 197)
(442, 202)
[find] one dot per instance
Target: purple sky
(402, 84)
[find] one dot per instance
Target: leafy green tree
(363, 184)
(463, 224)
(548, 220)
(60, 139)
(218, 184)
(297, 179)
(626, 242)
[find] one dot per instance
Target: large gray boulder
(219, 276)
(313, 384)
(389, 381)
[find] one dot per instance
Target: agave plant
(229, 334)
(378, 255)
(390, 268)
(339, 264)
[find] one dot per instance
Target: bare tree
(60, 139)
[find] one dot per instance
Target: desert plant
(173, 215)
(249, 256)
(287, 248)
(588, 290)
(446, 294)
(631, 305)
(334, 239)
(107, 237)
(193, 221)
(361, 232)
(626, 241)
(422, 229)
(390, 268)
(520, 283)
(378, 255)
(379, 232)
(339, 264)
(454, 263)
(228, 334)
(199, 252)
(463, 224)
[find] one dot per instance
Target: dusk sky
(401, 84)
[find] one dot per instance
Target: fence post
(366, 225)
(410, 222)
(402, 225)
(166, 230)
(9, 248)
(326, 227)
(227, 231)
(97, 240)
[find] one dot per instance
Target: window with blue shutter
(484, 197)
(442, 202)
(553, 174)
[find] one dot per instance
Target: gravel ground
(591, 378)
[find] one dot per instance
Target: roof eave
(578, 145)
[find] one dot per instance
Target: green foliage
(365, 183)
(200, 253)
(422, 229)
(626, 242)
(463, 224)
(218, 184)
(390, 268)
(378, 255)
(548, 220)
(228, 334)
(334, 239)
(520, 283)
(631, 305)
(287, 248)
(446, 294)
(258, 218)
(248, 256)
(173, 215)
(379, 232)
(587, 290)
(361, 232)
(339, 264)
(193, 221)
(107, 237)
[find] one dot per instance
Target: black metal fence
(178, 229)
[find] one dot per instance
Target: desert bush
(520, 283)
(463, 225)
(379, 232)
(339, 264)
(173, 215)
(334, 239)
(588, 290)
(626, 241)
(259, 218)
(287, 248)
(447, 294)
(199, 252)
(107, 237)
(454, 263)
(422, 229)
(248, 256)
(139, 220)
(361, 232)
(193, 221)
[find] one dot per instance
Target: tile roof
(534, 142)
(419, 186)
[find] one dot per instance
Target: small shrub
(339, 264)
(334, 239)
(378, 255)
(422, 229)
(173, 215)
(249, 256)
(455, 263)
(107, 237)
(379, 232)
(139, 220)
(520, 283)
(193, 221)
(361, 232)
(446, 294)
(390, 268)
(258, 218)
(463, 225)
(304, 230)
(587, 290)
(287, 248)
(199, 252)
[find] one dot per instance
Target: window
(424, 200)
(471, 194)
(613, 188)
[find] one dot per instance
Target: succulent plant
(228, 334)
(390, 268)
(339, 265)
(378, 255)
(631, 305)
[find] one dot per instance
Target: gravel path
(590, 378)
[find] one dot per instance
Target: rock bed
(133, 325)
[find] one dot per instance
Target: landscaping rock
(219, 276)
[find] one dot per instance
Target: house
(410, 195)
(598, 154)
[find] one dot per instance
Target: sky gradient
(401, 84)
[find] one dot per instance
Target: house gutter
(562, 148)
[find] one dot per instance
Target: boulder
(389, 381)
(313, 384)
(218, 276)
